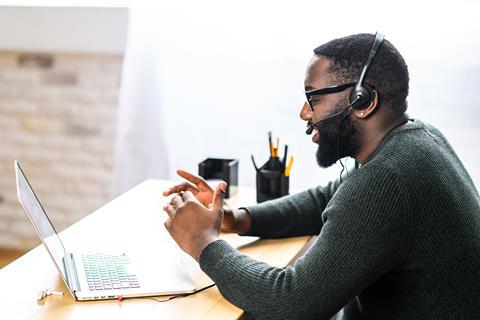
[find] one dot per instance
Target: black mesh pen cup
(221, 169)
(271, 181)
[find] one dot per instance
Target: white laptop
(102, 275)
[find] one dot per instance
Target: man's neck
(374, 137)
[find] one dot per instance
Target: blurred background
(96, 96)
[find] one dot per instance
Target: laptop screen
(39, 219)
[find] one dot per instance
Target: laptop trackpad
(167, 272)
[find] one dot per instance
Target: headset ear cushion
(360, 97)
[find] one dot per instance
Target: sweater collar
(411, 124)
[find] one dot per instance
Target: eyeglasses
(318, 92)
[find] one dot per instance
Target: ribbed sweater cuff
(215, 254)
(260, 219)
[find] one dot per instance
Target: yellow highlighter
(289, 167)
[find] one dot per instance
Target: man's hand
(233, 221)
(191, 224)
(196, 185)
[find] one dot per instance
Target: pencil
(289, 167)
(270, 143)
(277, 147)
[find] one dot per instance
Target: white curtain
(141, 150)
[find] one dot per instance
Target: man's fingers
(184, 186)
(188, 196)
(177, 201)
(170, 210)
(218, 194)
(199, 181)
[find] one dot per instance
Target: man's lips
(316, 136)
(314, 131)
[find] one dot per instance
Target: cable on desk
(182, 295)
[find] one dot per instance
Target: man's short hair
(388, 73)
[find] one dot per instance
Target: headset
(361, 96)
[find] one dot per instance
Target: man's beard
(338, 139)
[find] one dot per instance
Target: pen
(289, 167)
(254, 164)
(284, 161)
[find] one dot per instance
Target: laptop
(105, 275)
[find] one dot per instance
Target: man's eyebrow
(309, 88)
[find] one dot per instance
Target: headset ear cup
(360, 97)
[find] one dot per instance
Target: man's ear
(365, 112)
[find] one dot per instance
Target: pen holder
(221, 169)
(271, 181)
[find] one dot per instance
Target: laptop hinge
(71, 272)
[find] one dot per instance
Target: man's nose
(305, 112)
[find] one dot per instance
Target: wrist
(243, 221)
(202, 244)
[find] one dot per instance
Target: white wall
(231, 71)
(63, 29)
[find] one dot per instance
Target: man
(398, 238)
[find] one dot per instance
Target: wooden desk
(24, 278)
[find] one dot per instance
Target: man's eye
(315, 100)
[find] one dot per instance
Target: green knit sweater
(398, 239)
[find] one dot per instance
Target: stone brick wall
(57, 117)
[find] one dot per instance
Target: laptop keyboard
(107, 272)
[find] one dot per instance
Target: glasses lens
(309, 102)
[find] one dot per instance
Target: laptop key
(108, 272)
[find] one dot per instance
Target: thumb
(218, 194)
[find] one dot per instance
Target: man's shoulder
(419, 129)
(416, 132)
(411, 144)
